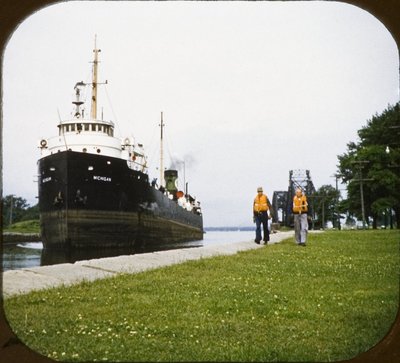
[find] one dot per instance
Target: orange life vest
(260, 203)
(300, 204)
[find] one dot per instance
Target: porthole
(98, 151)
(84, 150)
(90, 167)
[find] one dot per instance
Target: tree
(324, 203)
(31, 213)
(372, 166)
(16, 209)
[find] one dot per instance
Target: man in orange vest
(300, 208)
(260, 215)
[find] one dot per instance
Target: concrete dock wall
(36, 278)
(13, 237)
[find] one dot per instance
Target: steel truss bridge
(282, 201)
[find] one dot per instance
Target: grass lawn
(31, 226)
(329, 301)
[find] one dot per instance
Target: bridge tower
(282, 200)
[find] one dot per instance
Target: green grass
(31, 226)
(329, 301)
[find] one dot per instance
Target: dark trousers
(262, 218)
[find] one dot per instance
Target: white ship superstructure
(92, 135)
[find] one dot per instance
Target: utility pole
(361, 164)
(11, 209)
(337, 176)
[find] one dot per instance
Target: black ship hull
(95, 201)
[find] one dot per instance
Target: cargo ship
(95, 190)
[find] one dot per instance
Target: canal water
(31, 254)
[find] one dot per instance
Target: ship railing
(136, 165)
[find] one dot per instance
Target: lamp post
(391, 166)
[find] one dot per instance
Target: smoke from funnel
(188, 161)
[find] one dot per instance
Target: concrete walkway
(36, 278)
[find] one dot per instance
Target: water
(31, 254)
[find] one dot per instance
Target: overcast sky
(249, 90)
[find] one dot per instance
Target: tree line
(370, 170)
(16, 209)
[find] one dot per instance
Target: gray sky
(249, 90)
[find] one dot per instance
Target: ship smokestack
(171, 177)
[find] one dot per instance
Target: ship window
(111, 131)
(108, 162)
(99, 128)
(66, 128)
(106, 129)
(84, 150)
(72, 127)
(86, 127)
(93, 127)
(90, 167)
(52, 168)
(98, 151)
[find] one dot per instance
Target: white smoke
(187, 162)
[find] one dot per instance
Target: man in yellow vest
(260, 215)
(300, 208)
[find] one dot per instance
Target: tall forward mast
(93, 113)
(162, 124)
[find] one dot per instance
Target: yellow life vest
(300, 204)
(260, 203)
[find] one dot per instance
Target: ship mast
(162, 152)
(93, 113)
